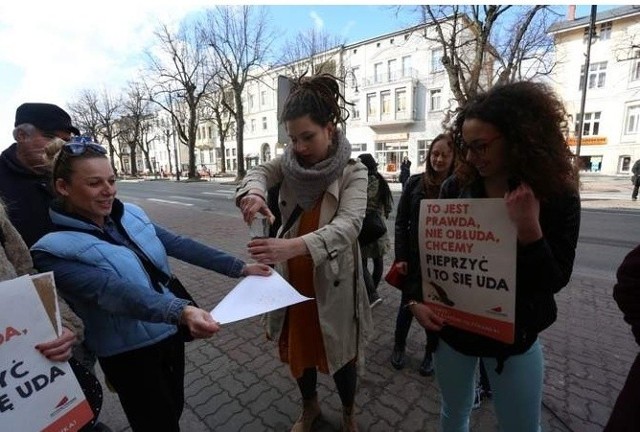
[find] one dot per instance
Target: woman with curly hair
(512, 139)
(322, 201)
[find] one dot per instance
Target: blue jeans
(517, 391)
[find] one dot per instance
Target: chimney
(571, 13)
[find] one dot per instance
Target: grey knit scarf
(309, 183)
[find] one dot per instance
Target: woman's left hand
(524, 210)
(275, 250)
(58, 349)
(256, 269)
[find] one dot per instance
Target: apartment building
(611, 121)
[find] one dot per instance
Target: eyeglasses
(478, 148)
(79, 145)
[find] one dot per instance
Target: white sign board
(36, 394)
(468, 261)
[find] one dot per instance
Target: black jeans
(403, 324)
(150, 384)
(636, 185)
(346, 380)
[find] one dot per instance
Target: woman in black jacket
(440, 162)
(513, 141)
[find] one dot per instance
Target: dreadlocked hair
(318, 97)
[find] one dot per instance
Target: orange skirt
(301, 344)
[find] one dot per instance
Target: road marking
(169, 202)
(228, 195)
(188, 198)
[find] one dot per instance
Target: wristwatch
(411, 303)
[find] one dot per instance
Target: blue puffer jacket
(107, 285)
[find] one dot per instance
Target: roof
(608, 15)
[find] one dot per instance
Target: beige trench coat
(343, 307)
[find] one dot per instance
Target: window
(354, 76)
(434, 100)
(585, 35)
(263, 98)
(436, 60)
(591, 124)
(391, 69)
(635, 69)
(264, 123)
(371, 105)
(385, 102)
(605, 31)
(355, 109)
(377, 73)
(406, 66)
(422, 151)
(251, 101)
(253, 125)
(210, 130)
(632, 121)
(359, 147)
(401, 100)
(597, 75)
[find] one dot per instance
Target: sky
(51, 50)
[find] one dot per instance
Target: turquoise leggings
(517, 391)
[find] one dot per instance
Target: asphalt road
(606, 235)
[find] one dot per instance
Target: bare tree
(485, 45)
(215, 111)
(311, 52)
(183, 76)
(241, 41)
(134, 121)
(97, 114)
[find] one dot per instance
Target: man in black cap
(24, 175)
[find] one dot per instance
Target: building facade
(398, 88)
(611, 121)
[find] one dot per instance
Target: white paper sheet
(255, 295)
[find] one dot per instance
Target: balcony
(399, 76)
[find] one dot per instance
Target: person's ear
(62, 187)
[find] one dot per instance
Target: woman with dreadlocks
(322, 200)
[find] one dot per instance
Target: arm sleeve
(401, 242)
(260, 177)
(196, 253)
(549, 261)
(626, 291)
(79, 282)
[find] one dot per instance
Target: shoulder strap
(292, 218)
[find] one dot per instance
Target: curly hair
(531, 118)
(317, 96)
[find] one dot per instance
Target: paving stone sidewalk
(234, 381)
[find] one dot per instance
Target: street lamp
(591, 34)
(354, 80)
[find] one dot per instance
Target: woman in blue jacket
(110, 264)
(515, 148)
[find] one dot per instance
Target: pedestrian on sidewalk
(440, 163)
(405, 171)
(635, 179)
(322, 200)
(111, 265)
(379, 200)
(512, 139)
(625, 416)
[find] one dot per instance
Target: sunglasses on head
(79, 145)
